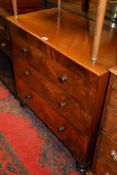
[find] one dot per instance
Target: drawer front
(110, 124)
(81, 85)
(19, 40)
(18, 33)
(69, 135)
(4, 45)
(21, 45)
(65, 105)
(108, 148)
(102, 167)
(77, 85)
(4, 28)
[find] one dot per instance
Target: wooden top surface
(71, 35)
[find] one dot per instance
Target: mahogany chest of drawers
(105, 161)
(64, 90)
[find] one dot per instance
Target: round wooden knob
(61, 128)
(62, 104)
(63, 78)
(3, 44)
(25, 50)
(27, 73)
(29, 96)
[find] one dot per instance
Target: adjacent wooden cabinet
(56, 79)
(105, 161)
(4, 33)
(6, 10)
(5, 43)
(23, 5)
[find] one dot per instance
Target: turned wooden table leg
(14, 5)
(59, 7)
(98, 29)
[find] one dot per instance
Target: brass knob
(25, 50)
(63, 78)
(29, 96)
(27, 73)
(62, 104)
(3, 44)
(61, 128)
(114, 155)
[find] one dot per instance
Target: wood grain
(53, 120)
(102, 166)
(72, 38)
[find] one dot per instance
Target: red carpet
(27, 146)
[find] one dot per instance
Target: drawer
(69, 108)
(82, 86)
(108, 148)
(71, 138)
(102, 167)
(113, 97)
(110, 124)
(4, 28)
(21, 45)
(16, 32)
(4, 45)
(77, 85)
